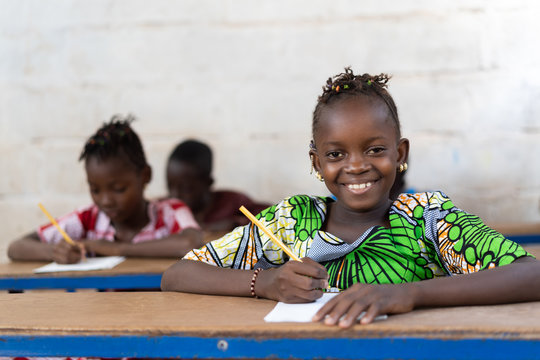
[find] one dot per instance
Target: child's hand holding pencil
(293, 282)
(298, 281)
(67, 252)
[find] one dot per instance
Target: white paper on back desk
(302, 312)
(95, 263)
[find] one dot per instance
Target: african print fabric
(428, 237)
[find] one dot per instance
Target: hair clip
(345, 86)
(333, 87)
(337, 88)
(369, 82)
(312, 145)
(91, 141)
(101, 142)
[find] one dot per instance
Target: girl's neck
(349, 225)
(205, 207)
(136, 222)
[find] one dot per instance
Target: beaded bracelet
(253, 279)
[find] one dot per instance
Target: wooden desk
(166, 325)
(534, 249)
(134, 273)
(520, 233)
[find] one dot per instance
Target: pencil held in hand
(270, 234)
(62, 232)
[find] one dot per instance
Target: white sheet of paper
(96, 263)
(302, 312)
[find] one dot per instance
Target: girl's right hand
(64, 253)
(293, 282)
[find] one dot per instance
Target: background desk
(166, 325)
(534, 249)
(520, 233)
(133, 273)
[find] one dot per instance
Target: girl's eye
(333, 155)
(375, 150)
(120, 189)
(94, 190)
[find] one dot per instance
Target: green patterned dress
(428, 237)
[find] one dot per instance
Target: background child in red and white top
(189, 178)
(121, 221)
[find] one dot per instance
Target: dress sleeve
(71, 223)
(182, 217)
(246, 246)
(466, 244)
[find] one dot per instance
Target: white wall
(244, 76)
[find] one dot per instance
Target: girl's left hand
(344, 309)
(103, 247)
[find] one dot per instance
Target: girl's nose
(106, 200)
(356, 164)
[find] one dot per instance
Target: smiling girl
(120, 221)
(387, 256)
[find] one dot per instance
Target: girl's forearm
(175, 246)
(30, 248)
(515, 282)
(200, 278)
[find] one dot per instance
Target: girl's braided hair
(347, 85)
(113, 139)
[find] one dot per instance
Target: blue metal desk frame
(179, 346)
(122, 281)
(525, 239)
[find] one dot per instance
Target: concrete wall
(244, 76)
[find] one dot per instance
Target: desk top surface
(129, 266)
(533, 249)
(168, 313)
(516, 229)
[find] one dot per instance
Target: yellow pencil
(51, 219)
(267, 232)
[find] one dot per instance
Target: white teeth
(359, 186)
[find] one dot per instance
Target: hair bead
(116, 138)
(374, 86)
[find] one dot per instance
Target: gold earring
(403, 167)
(319, 176)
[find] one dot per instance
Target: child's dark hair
(347, 85)
(195, 153)
(116, 138)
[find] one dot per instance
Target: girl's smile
(359, 188)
